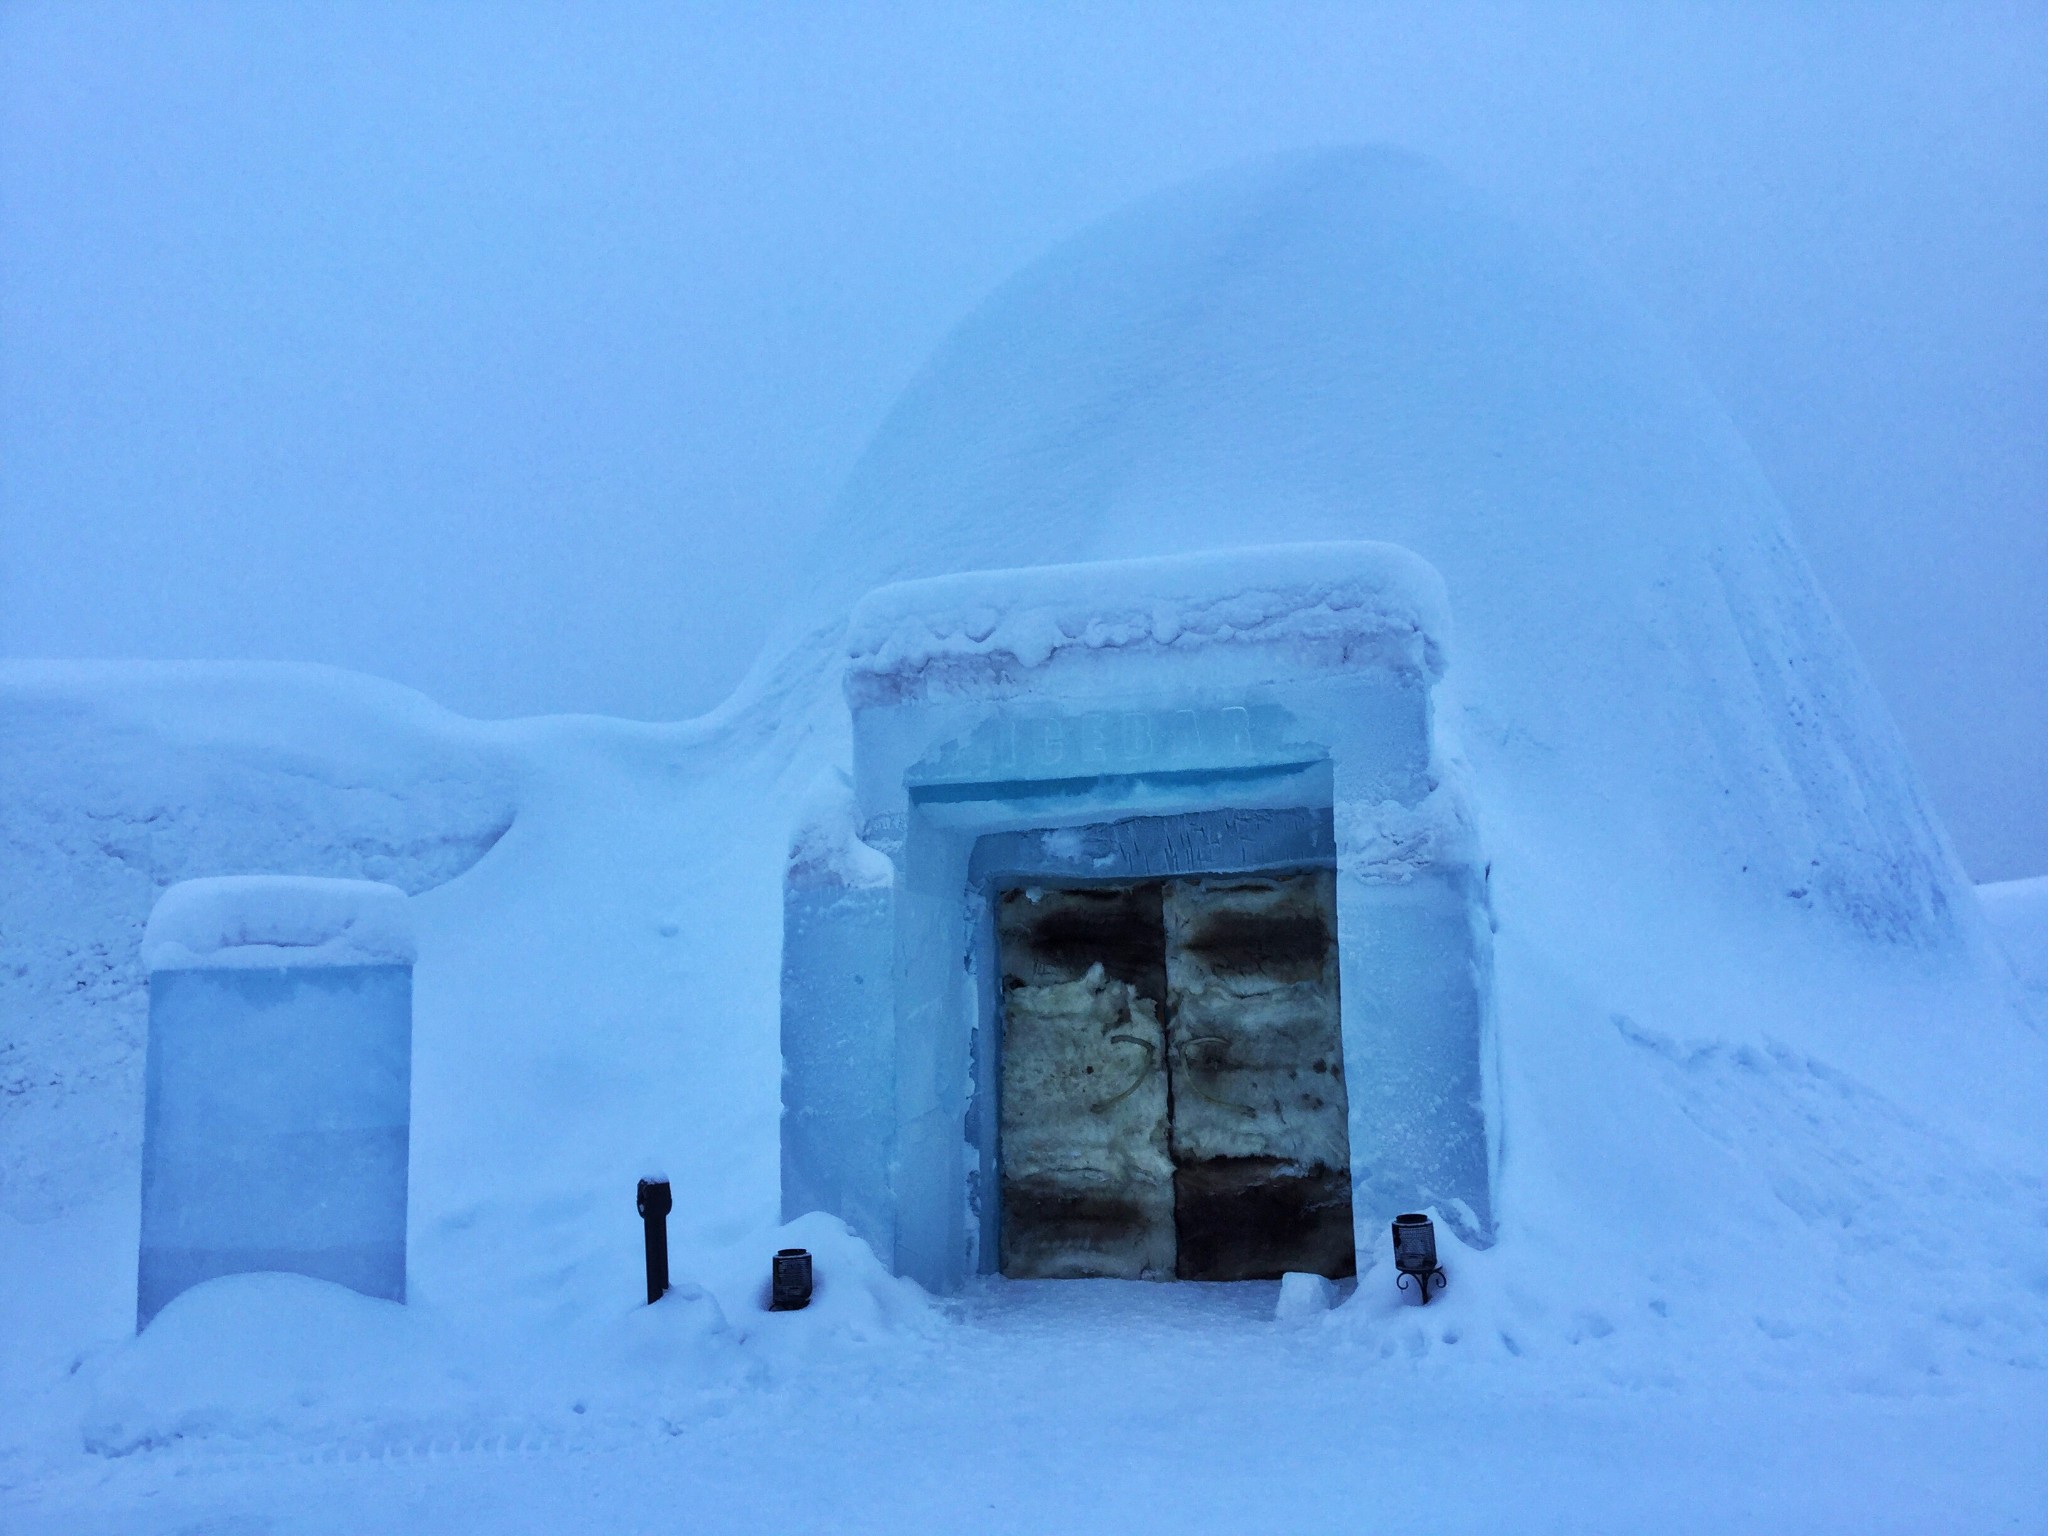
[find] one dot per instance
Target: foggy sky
(513, 351)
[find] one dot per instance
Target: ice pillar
(279, 1074)
(838, 1024)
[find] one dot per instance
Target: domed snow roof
(1696, 806)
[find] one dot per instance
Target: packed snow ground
(1117, 1406)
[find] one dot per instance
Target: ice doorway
(1172, 1080)
(1221, 775)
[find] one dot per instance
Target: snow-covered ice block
(276, 1120)
(1302, 1297)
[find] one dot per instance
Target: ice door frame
(932, 779)
(957, 839)
(1414, 939)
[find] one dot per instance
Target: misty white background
(513, 351)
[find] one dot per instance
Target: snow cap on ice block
(239, 921)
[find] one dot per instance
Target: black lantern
(1415, 1254)
(790, 1288)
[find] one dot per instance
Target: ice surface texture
(837, 1064)
(278, 1097)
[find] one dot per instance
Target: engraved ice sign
(1069, 746)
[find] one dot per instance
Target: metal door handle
(1197, 1069)
(1151, 1065)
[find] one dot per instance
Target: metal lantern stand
(1415, 1254)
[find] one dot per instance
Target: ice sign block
(277, 1110)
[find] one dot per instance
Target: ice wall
(838, 1064)
(277, 1100)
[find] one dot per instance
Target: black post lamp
(1415, 1254)
(654, 1203)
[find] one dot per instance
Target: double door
(1173, 1080)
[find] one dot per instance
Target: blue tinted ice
(277, 1109)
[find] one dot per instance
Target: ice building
(278, 1084)
(1162, 816)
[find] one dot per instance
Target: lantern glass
(1414, 1244)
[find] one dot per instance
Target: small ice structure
(1098, 727)
(279, 1084)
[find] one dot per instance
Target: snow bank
(1303, 1298)
(118, 780)
(826, 852)
(282, 1361)
(855, 1301)
(259, 1356)
(236, 922)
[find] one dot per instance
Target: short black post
(654, 1203)
(789, 1288)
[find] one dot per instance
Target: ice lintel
(982, 634)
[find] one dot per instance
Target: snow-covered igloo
(1691, 868)
(1155, 876)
